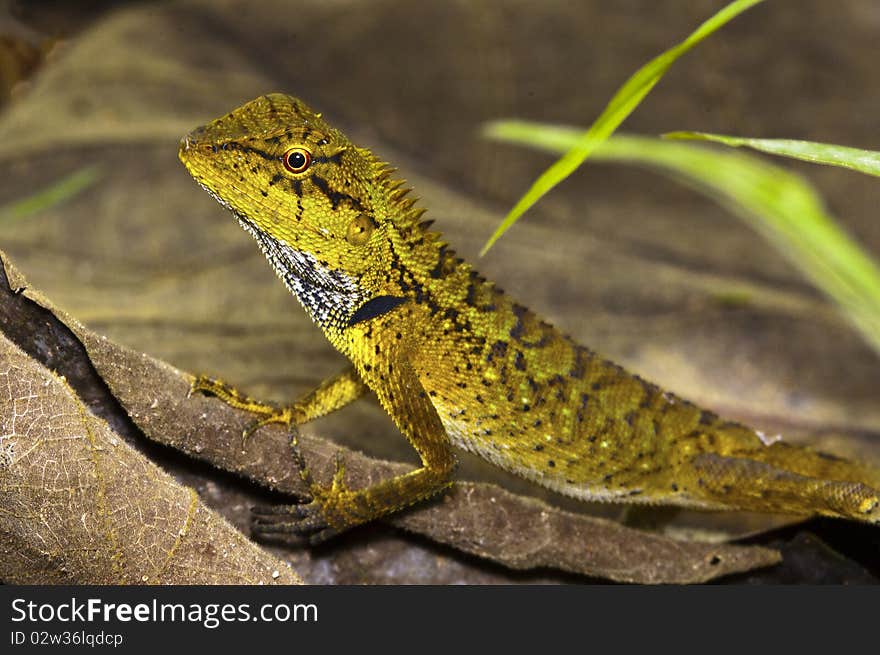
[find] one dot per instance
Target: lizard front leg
(335, 508)
(333, 393)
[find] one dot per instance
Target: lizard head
(327, 214)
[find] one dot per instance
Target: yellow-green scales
(456, 362)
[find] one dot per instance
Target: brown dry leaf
(480, 519)
(80, 506)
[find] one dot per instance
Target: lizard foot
(321, 517)
(266, 412)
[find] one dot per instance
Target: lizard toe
(322, 536)
(204, 385)
(271, 512)
(302, 519)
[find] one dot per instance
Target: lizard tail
(787, 478)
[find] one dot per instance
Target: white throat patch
(329, 296)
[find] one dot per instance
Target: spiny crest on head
(406, 214)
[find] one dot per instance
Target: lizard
(456, 362)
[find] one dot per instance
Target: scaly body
(455, 361)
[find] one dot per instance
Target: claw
(301, 519)
(283, 416)
(322, 536)
(279, 534)
(194, 386)
(277, 529)
(274, 510)
(304, 473)
(204, 385)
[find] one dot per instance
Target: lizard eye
(296, 160)
(359, 230)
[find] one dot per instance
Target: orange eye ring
(296, 160)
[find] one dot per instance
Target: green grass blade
(863, 161)
(779, 204)
(621, 105)
(56, 193)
